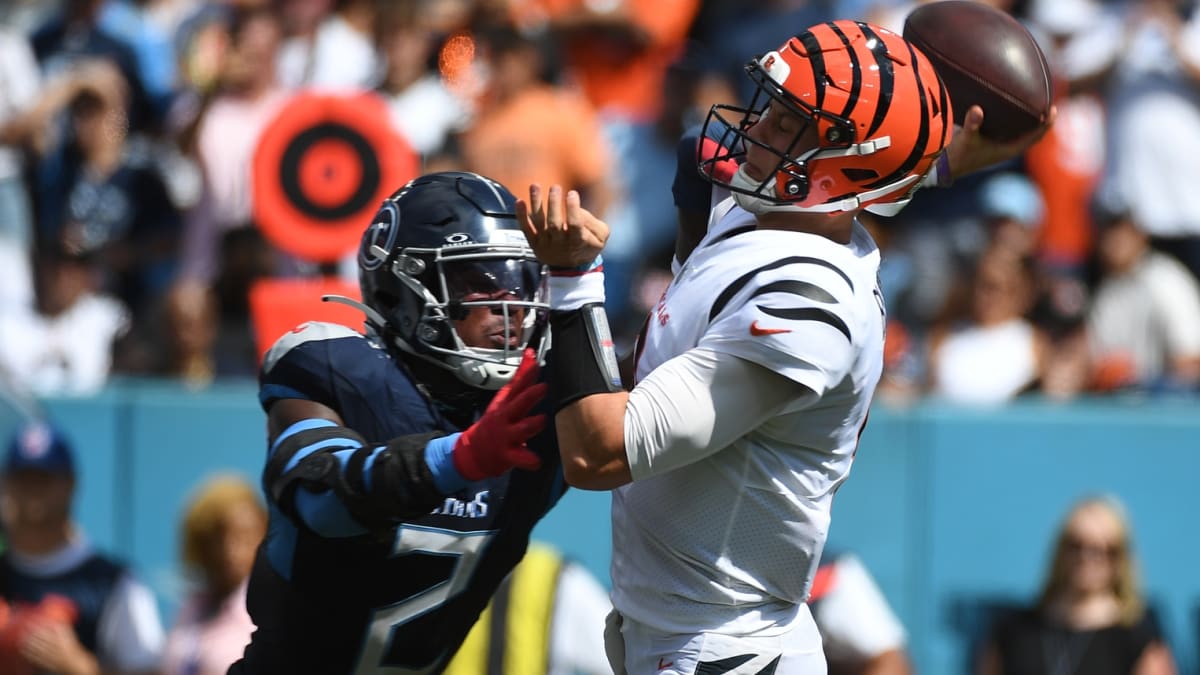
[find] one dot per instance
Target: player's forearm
(588, 396)
(591, 438)
(338, 485)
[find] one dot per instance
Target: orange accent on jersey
(757, 331)
(662, 665)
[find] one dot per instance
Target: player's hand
(969, 151)
(496, 443)
(561, 236)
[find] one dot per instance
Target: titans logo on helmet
(379, 237)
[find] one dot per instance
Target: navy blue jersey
(399, 600)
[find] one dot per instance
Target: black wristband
(583, 360)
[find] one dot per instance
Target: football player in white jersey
(756, 371)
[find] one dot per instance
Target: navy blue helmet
(444, 244)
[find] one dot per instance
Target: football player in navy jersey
(394, 514)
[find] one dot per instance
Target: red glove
(496, 442)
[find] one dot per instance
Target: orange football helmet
(881, 112)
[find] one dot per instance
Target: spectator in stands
(1091, 616)
(112, 200)
(73, 34)
(1144, 323)
(245, 257)
(192, 325)
(728, 32)
(116, 626)
(424, 110)
(336, 50)
(551, 613)
(860, 633)
(222, 527)
(1082, 40)
(1014, 221)
(63, 345)
(1156, 85)
(22, 15)
(618, 52)
(201, 43)
(527, 131)
(993, 353)
(204, 331)
(141, 25)
(1012, 209)
(637, 257)
(247, 98)
(20, 86)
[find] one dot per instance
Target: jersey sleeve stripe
(732, 290)
(324, 512)
(809, 314)
(801, 288)
(302, 425)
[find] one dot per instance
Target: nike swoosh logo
(758, 331)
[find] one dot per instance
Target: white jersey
(729, 542)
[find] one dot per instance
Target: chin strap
(752, 196)
(754, 203)
(481, 374)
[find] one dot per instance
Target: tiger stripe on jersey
(729, 664)
(809, 314)
(795, 287)
(740, 283)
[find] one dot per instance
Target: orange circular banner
(321, 170)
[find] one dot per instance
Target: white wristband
(572, 291)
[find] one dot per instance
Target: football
(986, 58)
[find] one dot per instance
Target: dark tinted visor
(481, 280)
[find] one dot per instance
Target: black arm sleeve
(397, 485)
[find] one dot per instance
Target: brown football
(986, 58)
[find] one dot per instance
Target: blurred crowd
(128, 130)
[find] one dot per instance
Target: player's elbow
(593, 461)
(579, 473)
(585, 474)
(591, 441)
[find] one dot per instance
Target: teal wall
(948, 507)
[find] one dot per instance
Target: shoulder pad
(309, 331)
